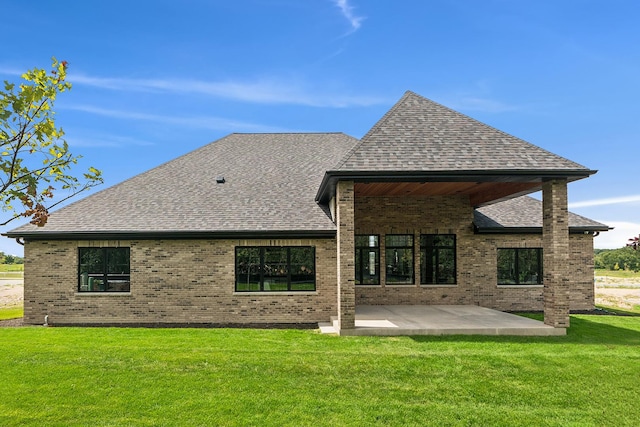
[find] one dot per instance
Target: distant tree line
(10, 259)
(617, 259)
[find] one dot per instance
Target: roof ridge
(374, 127)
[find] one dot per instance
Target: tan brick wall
(172, 281)
(476, 256)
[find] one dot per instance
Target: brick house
(429, 207)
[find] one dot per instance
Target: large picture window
(104, 269)
(520, 266)
(275, 268)
(438, 259)
(399, 258)
(367, 259)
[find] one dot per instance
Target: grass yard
(155, 377)
(12, 312)
(620, 274)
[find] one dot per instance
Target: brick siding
(476, 256)
(173, 282)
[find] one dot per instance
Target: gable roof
(417, 134)
(270, 182)
(419, 140)
(524, 214)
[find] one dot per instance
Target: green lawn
(11, 267)
(156, 377)
(13, 312)
(622, 274)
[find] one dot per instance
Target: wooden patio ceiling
(480, 193)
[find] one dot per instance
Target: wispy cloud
(605, 201)
(618, 237)
(347, 11)
(202, 122)
(263, 91)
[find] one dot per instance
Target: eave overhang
(537, 230)
(328, 185)
(171, 235)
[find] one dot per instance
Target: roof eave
(170, 235)
(538, 230)
(327, 186)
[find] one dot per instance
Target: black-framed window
(399, 258)
(519, 266)
(367, 259)
(104, 270)
(438, 259)
(275, 268)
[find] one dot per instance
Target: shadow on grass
(585, 329)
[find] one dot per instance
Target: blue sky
(155, 79)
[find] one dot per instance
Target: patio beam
(345, 222)
(555, 237)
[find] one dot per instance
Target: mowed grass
(621, 274)
(12, 312)
(240, 377)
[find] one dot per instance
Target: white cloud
(618, 237)
(605, 201)
(264, 91)
(209, 122)
(347, 11)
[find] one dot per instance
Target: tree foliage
(35, 161)
(618, 259)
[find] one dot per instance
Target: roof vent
(220, 179)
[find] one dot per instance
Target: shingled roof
(524, 214)
(269, 188)
(418, 134)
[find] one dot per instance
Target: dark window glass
(275, 268)
(520, 266)
(104, 270)
(399, 258)
(438, 259)
(367, 259)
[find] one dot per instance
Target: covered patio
(396, 320)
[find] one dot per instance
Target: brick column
(555, 236)
(346, 255)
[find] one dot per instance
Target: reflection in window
(438, 259)
(275, 268)
(104, 269)
(520, 266)
(399, 258)
(367, 259)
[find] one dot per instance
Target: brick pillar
(346, 255)
(555, 236)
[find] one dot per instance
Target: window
(275, 268)
(520, 266)
(104, 269)
(367, 260)
(438, 259)
(399, 258)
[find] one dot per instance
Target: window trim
(436, 248)
(261, 269)
(357, 261)
(413, 259)
(105, 274)
(517, 269)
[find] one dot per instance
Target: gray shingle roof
(270, 183)
(418, 134)
(524, 213)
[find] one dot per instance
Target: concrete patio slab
(394, 320)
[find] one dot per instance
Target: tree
(35, 161)
(635, 242)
